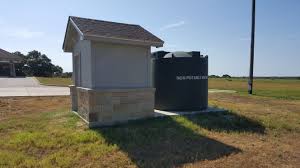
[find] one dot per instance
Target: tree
(214, 76)
(226, 76)
(67, 75)
(20, 66)
(57, 70)
(37, 64)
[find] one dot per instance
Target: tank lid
(159, 54)
(182, 54)
(177, 54)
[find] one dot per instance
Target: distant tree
(226, 76)
(37, 64)
(66, 75)
(214, 76)
(20, 66)
(57, 70)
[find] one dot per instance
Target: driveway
(29, 86)
(18, 82)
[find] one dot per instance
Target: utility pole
(250, 81)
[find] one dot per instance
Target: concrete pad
(157, 113)
(34, 91)
(161, 113)
(4, 92)
(29, 86)
(6, 82)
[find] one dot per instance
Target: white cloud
(173, 25)
(25, 33)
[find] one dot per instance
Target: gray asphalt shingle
(91, 27)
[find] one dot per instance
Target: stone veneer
(73, 94)
(100, 107)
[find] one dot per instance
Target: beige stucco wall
(120, 65)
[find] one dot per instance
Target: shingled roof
(91, 29)
(7, 56)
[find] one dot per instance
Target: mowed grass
(278, 88)
(257, 132)
(55, 81)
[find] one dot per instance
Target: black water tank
(180, 79)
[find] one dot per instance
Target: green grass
(61, 139)
(55, 81)
(47, 140)
(278, 88)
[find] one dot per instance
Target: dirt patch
(15, 106)
(257, 151)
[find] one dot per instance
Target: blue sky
(218, 28)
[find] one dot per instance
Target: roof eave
(70, 22)
(64, 43)
(123, 41)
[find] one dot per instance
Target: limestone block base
(101, 107)
(73, 94)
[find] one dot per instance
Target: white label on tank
(191, 77)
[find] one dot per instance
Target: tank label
(191, 77)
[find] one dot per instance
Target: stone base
(101, 107)
(73, 94)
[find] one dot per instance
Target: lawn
(55, 81)
(278, 88)
(257, 132)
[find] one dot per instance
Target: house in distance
(7, 63)
(111, 70)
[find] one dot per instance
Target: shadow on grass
(226, 122)
(164, 142)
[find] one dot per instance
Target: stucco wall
(82, 65)
(120, 66)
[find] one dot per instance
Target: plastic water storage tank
(181, 80)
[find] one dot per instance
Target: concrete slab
(29, 86)
(161, 113)
(6, 82)
(34, 91)
(157, 113)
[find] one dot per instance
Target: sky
(218, 28)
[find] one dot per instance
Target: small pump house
(111, 70)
